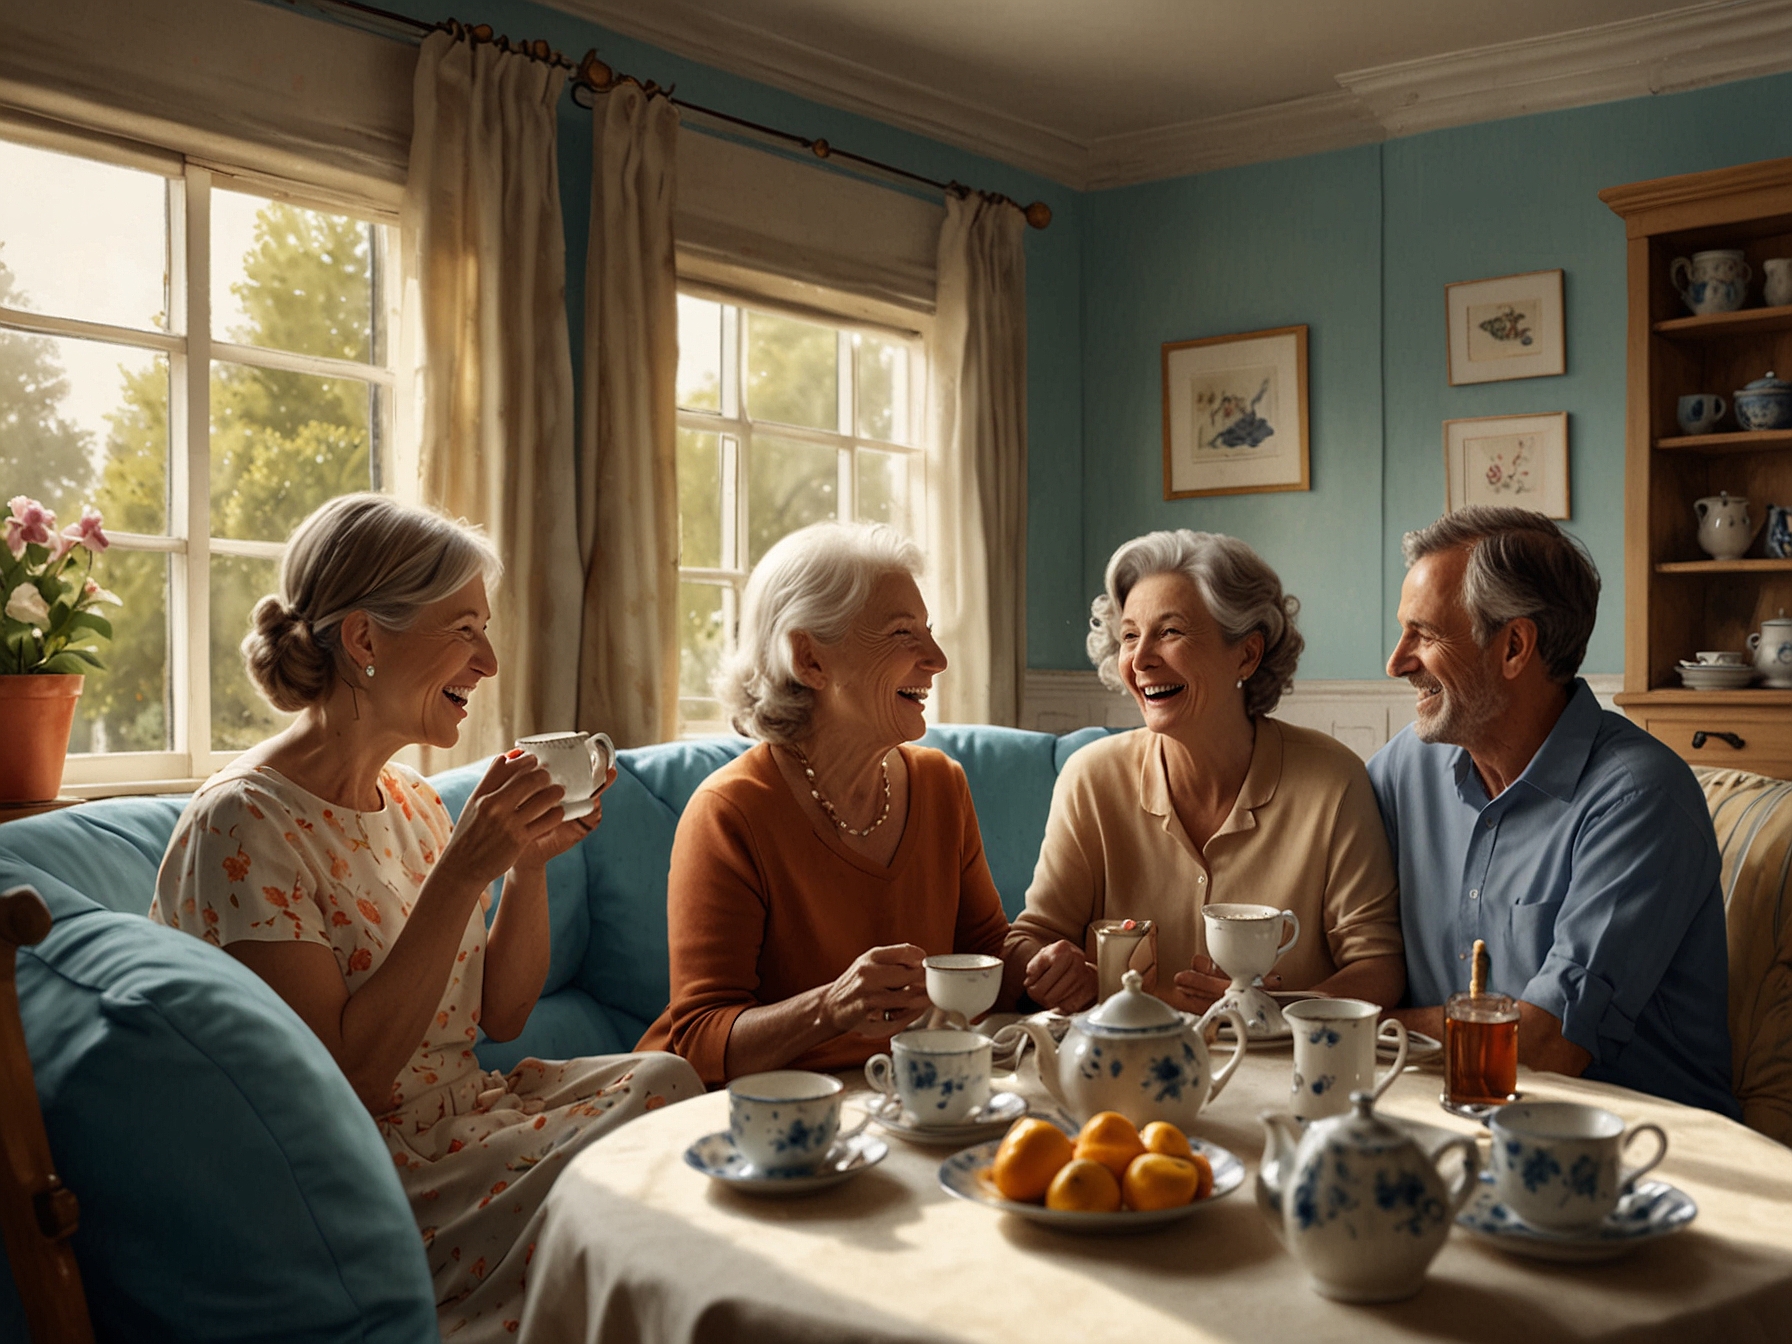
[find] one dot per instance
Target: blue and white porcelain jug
(1357, 1201)
(1133, 1054)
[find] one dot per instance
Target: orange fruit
(1160, 1136)
(1110, 1139)
(1084, 1187)
(1159, 1181)
(1031, 1153)
(1204, 1170)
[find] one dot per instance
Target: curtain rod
(594, 76)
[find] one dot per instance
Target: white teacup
(964, 982)
(940, 1077)
(1555, 1163)
(1245, 941)
(578, 762)
(788, 1119)
(1334, 1054)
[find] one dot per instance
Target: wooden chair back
(38, 1213)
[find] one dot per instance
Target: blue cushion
(108, 851)
(565, 1025)
(231, 1185)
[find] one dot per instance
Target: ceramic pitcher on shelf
(1772, 647)
(1712, 282)
(1725, 527)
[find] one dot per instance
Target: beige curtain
(628, 481)
(484, 262)
(977, 500)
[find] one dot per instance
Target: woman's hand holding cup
(879, 994)
(513, 808)
(1061, 977)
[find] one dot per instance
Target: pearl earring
(1240, 682)
(370, 672)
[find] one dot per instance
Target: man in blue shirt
(1576, 845)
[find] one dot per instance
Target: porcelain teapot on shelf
(1133, 1054)
(1357, 1202)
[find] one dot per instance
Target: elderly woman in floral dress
(337, 876)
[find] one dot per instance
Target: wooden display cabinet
(1676, 600)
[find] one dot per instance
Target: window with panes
(784, 419)
(205, 364)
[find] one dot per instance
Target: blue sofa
(231, 1185)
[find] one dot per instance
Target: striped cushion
(1753, 818)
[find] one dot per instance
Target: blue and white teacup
(1699, 412)
(939, 1077)
(1555, 1163)
(1334, 1054)
(786, 1121)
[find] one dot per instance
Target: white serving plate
(964, 1175)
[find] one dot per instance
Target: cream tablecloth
(638, 1246)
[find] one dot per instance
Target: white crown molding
(1665, 53)
(741, 49)
(1312, 125)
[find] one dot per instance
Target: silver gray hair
(1521, 566)
(817, 581)
(359, 552)
(1241, 592)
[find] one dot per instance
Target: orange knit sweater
(761, 904)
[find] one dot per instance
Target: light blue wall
(1270, 245)
(1054, 258)
(1359, 244)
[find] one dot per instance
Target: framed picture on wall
(1235, 414)
(1516, 460)
(1506, 328)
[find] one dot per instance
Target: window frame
(740, 288)
(191, 350)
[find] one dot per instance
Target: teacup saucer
(1653, 1210)
(991, 1119)
(717, 1158)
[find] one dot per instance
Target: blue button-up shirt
(1593, 879)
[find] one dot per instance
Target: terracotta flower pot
(36, 712)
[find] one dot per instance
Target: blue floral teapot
(1357, 1202)
(1133, 1054)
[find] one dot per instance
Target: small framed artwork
(1516, 460)
(1506, 328)
(1235, 414)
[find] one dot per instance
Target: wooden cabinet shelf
(1712, 326)
(1748, 441)
(1725, 567)
(1677, 602)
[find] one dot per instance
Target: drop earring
(1239, 683)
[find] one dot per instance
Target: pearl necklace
(826, 806)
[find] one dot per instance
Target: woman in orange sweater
(811, 875)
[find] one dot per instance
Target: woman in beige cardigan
(1213, 800)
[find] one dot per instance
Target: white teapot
(1772, 647)
(1133, 1054)
(1357, 1202)
(1725, 528)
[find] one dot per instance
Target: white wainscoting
(1361, 714)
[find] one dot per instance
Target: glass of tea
(1480, 1050)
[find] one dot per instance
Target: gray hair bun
(283, 658)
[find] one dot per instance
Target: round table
(638, 1246)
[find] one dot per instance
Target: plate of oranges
(1108, 1177)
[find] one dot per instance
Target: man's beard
(1456, 716)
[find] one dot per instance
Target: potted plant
(48, 629)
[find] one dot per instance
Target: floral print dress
(257, 858)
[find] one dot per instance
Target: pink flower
(30, 524)
(27, 605)
(93, 590)
(86, 532)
